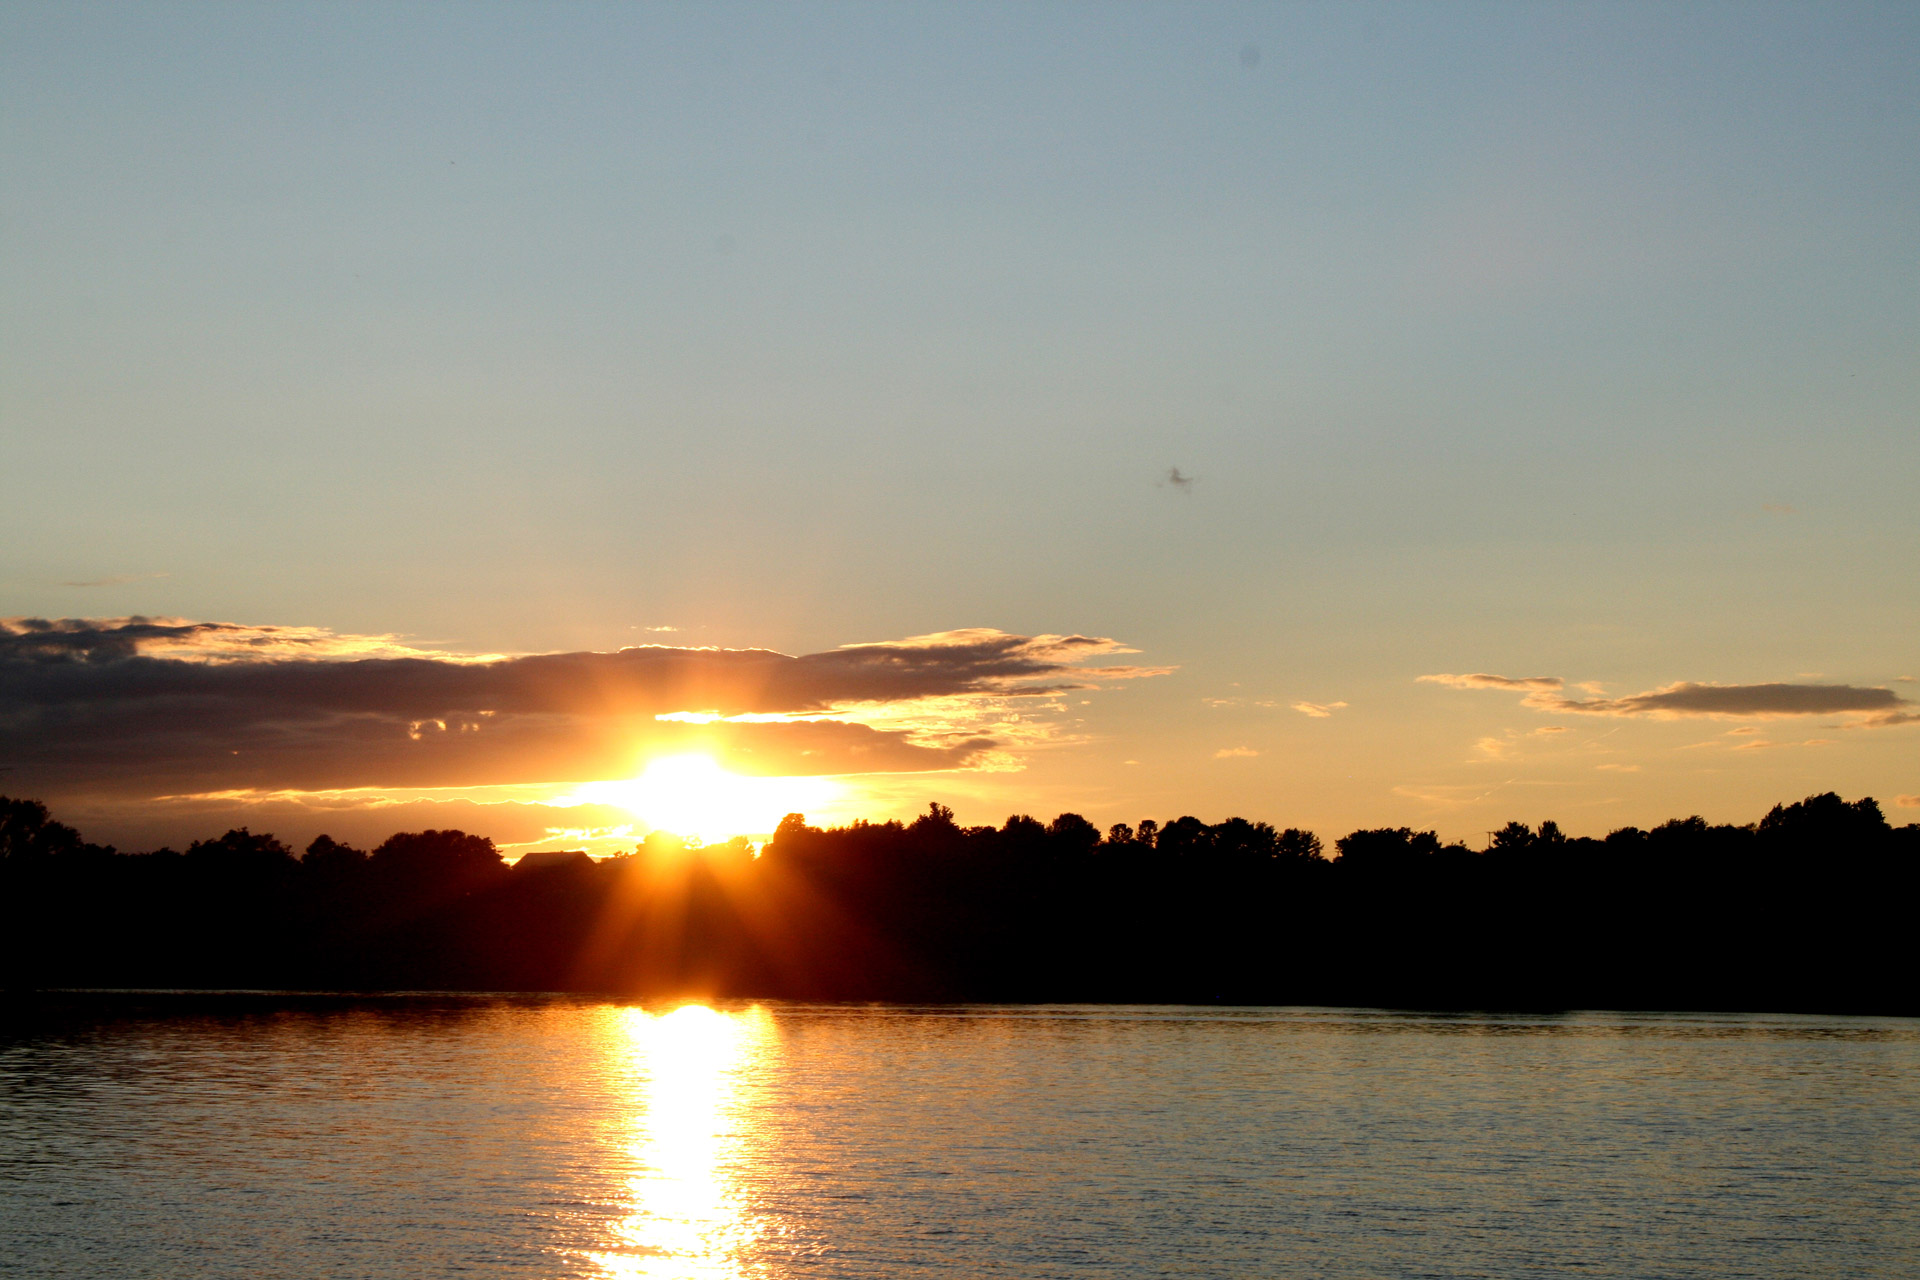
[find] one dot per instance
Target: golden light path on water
(688, 1217)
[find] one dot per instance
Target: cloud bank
(145, 706)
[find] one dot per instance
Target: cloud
(1446, 796)
(357, 818)
(1760, 701)
(174, 707)
(1234, 753)
(1482, 680)
(98, 640)
(1618, 768)
(1318, 710)
(1872, 705)
(1907, 802)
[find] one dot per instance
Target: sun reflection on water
(688, 1218)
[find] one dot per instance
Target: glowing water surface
(688, 1218)
(280, 1136)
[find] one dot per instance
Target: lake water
(442, 1136)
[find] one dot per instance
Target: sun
(693, 796)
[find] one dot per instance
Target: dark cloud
(112, 639)
(1871, 705)
(1690, 699)
(165, 706)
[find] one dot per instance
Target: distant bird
(1184, 483)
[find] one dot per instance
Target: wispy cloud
(1764, 744)
(359, 817)
(1907, 802)
(1318, 710)
(116, 580)
(1482, 680)
(1445, 796)
(1234, 753)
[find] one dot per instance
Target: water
(438, 1136)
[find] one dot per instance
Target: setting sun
(692, 796)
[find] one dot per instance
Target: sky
(1340, 416)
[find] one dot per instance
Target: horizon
(664, 841)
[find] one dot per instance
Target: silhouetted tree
(446, 861)
(1389, 848)
(1072, 835)
(1299, 846)
(1806, 909)
(240, 852)
(325, 855)
(27, 831)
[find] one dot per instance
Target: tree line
(1811, 908)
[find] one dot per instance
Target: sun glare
(692, 796)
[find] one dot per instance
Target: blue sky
(1545, 340)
